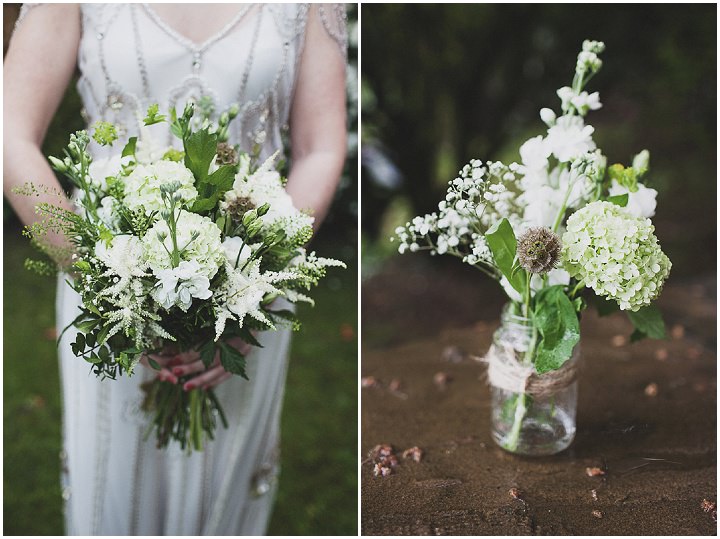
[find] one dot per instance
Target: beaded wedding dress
(115, 482)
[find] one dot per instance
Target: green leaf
(207, 353)
(200, 149)
(224, 177)
(93, 358)
(129, 148)
(619, 200)
(648, 322)
(102, 335)
(232, 360)
(558, 326)
(78, 347)
(154, 364)
(503, 245)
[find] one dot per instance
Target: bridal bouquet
(556, 230)
(179, 250)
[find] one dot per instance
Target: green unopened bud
(162, 236)
(249, 218)
(57, 164)
(254, 227)
(262, 210)
(641, 162)
(224, 119)
(166, 214)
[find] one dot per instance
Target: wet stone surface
(651, 452)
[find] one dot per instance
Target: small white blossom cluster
(616, 254)
(481, 194)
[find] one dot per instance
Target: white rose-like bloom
(616, 254)
(142, 186)
(125, 256)
(236, 251)
(206, 249)
(178, 286)
(570, 138)
(641, 203)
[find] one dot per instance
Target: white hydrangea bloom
(178, 286)
(142, 185)
(616, 254)
(206, 249)
(641, 203)
(570, 138)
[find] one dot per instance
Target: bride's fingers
(210, 378)
(164, 373)
(191, 368)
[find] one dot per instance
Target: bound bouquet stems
(184, 416)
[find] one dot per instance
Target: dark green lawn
(318, 486)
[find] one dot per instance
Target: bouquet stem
(188, 417)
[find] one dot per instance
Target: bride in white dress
(284, 65)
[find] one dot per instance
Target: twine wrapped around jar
(505, 372)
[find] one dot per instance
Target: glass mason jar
(532, 414)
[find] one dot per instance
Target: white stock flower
(142, 186)
(148, 148)
(584, 101)
(206, 249)
(570, 138)
(548, 116)
(641, 203)
(535, 152)
(178, 286)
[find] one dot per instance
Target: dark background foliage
(446, 83)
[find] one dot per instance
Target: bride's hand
(187, 363)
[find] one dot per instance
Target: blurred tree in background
(442, 84)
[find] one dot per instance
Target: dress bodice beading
(129, 58)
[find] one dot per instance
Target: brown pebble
(661, 354)
(453, 354)
(594, 495)
(394, 385)
(651, 390)
(594, 471)
(414, 453)
(380, 450)
(441, 379)
(596, 513)
(515, 494)
(677, 331)
(381, 470)
(618, 341)
(369, 381)
(694, 352)
(707, 505)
